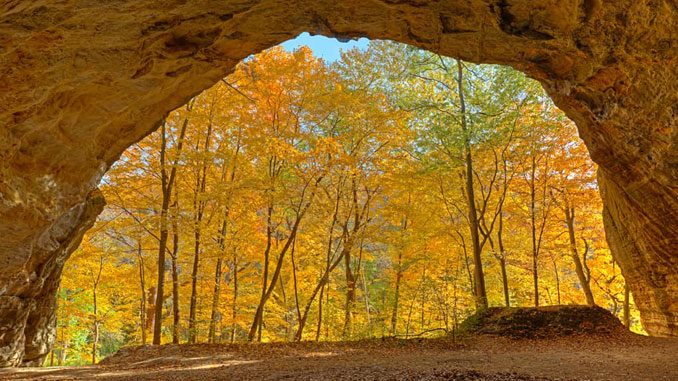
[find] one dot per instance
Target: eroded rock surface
(27, 320)
(81, 80)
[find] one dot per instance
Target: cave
(82, 81)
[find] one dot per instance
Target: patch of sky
(329, 49)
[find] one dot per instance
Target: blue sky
(324, 47)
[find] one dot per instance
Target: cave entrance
(105, 83)
(338, 179)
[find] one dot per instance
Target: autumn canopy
(304, 200)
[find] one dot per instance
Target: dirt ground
(625, 357)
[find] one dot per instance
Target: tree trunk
(286, 314)
(423, 299)
(175, 276)
(320, 314)
(151, 297)
(409, 315)
(258, 315)
(319, 287)
(396, 296)
(95, 334)
(367, 301)
(157, 323)
(351, 279)
(199, 210)
(234, 312)
(533, 219)
(192, 329)
(584, 279)
(267, 253)
(627, 306)
(217, 279)
(215, 301)
(478, 276)
(176, 327)
(95, 342)
(95, 310)
(502, 260)
(350, 296)
(142, 301)
(63, 353)
(167, 183)
(330, 242)
(295, 282)
(557, 275)
(327, 307)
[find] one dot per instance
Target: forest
(391, 193)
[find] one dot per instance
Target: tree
(393, 192)
(167, 182)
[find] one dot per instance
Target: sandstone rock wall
(81, 80)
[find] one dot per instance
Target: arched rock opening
(82, 80)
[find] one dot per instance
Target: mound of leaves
(543, 322)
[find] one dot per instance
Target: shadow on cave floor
(613, 357)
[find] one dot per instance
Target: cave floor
(630, 357)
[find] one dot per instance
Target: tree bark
(167, 183)
(215, 301)
(330, 243)
(192, 329)
(234, 311)
(95, 333)
(367, 301)
(584, 278)
(557, 276)
(351, 279)
(142, 301)
(95, 310)
(217, 278)
(150, 309)
(63, 353)
(533, 225)
(199, 210)
(396, 295)
(478, 275)
(502, 260)
(320, 314)
(627, 306)
(267, 253)
(176, 323)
